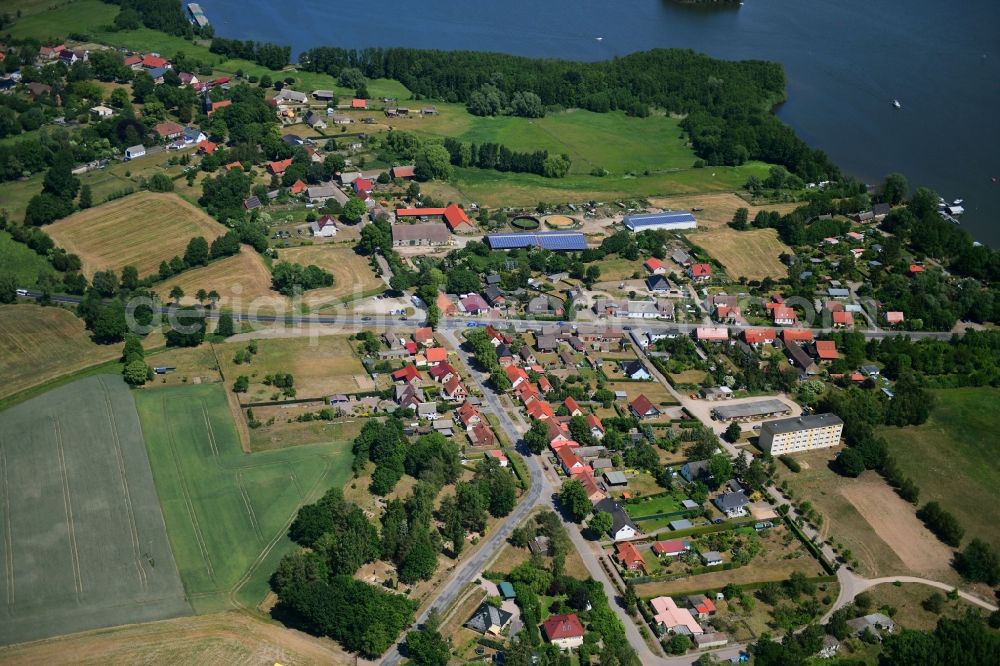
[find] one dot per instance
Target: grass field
(38, 344)
(906, 599)
(139, 230)
(751, 254)
(227, 513)
(952, 459)
(220, 639)
(717, 210)
(496, 189)
(243, 281)
(84, 544)
(618, 268)
(320, 366)
(353, 277)
(662, 504)
(22, 262)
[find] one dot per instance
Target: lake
(845, 61)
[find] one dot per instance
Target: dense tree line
(727, 103)
(164, 15)
(290, 279)
(500, 157)
(272, 56)
(970, 360)
(963, 641)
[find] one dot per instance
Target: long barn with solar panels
(557, 241)
(670, 220)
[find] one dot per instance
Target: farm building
(557, 241)
(133, 152)
(671, 220)
(749, 411)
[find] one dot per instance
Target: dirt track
(895, 523)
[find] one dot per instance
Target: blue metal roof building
(668, 219)
(557, 241)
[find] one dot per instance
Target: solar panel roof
(559, 241)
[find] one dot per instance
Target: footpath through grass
(953, 457)
(227, 513)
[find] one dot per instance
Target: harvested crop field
(896, 523)
(140, 230)
(243, 282)
(218, 639)
(84, 543)
(353, 277)
(38, 344)
(752, 254)
(321, 366)
(717, 210)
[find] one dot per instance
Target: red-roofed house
(701, 606)
(516, 375)
(497, 455)
(457, 220)
(526, 392)
(629, 556)
(51, 52)
(132, 61)
(441, 372)
(408, 374)
(410, 346)
(468, 415)
(424, 336)
(655, 266)
(894, 317)
(700, 272)
(642, 408)
(362, 185)
(481, 435)
(206, 147)
(454, 390)
(168, 130)
(558, 431)
(594, 492)
(402, 172)
(358, 103)
(496, 337)
(234, 165)
(759, 336)
(826, 350)
(150, 61)
(219, 105)
(782, 315)
(436, 355)
(673, 548)
(711, 334)
(564, 631)
(573, 406)
(915, 268)
(278, 168)
(796, 335)
(540, 410)
(544, 385)
(596, 427)
(843, 320)
(298, 187)
(570, 462)
(473, 303)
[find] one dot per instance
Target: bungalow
(630, 557)
(291, 96)
(481, 435)
(759, 336)
(636, 370)
(490, 620)
(234, 165)
(674, 619)
(700, 272)
(153, 61)
(876, 623)
(441, 372)
(324, 227)
(340, 119)
(36, 89)
(655, 266)
(681, 258)
(674, 548)
(914, 269)
(642, 408)
(546, 342)
(473, 304)
(298, 187)
(544, 305)
(838, 292)
(880, 210)
(497, 455)
(712, 558)
(278, 168)
(711, 334)
(894, 317)
(564, 631)
(622, 527)
(436, 355)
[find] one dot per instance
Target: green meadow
(227, 512)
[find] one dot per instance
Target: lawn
(227, 513)
(618, 268)
(496, 189)
(22, 262)
(38, 344)
(952, 459)
(141, 230)
(654, 506)
(752, 254)
(321, 366)
(84, 542)
(353, 277)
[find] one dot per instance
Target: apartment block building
(802, 433)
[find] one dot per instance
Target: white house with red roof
(498, 455)
(655, 266)
(700, 272)
(324, 227)
(564, 631)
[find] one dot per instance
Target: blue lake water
(845, 61)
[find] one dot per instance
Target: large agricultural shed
(557, 241)
(670, 220)
(749, 411)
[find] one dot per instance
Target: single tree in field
(213, 297)
(201, 295)
(176, 294)
(136, 372)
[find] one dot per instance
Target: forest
(728, 103)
